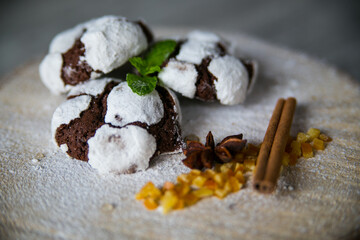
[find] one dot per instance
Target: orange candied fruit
(193, 186)
(307, 150)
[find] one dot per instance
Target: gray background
(327, 30)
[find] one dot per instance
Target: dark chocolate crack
(74, 70)
(205, 88)
(77, 133)
(166, 132)
(80, 130)
(148, 34)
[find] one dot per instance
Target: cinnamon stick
(265, 148)
(278, 147)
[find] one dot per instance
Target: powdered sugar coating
(114, 150)
(109, 42)
(124, 106)
(69, 110)
(91, 87)
(50, 73)
(198, 46)
(232, 79)
(179, 76)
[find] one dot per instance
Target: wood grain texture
(44, 194)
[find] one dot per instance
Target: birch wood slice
(44, 194)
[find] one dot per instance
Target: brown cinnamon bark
(264, 153)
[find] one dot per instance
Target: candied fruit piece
(234, 184)
(325, 138)
(168, 201)
(238, 167)
(199, 181)
(190, 199)
(302, 137)
(183, 178)
(286, 159)
(220, 193)
(168, 186)
(318, 144)
(180, 204)
(203, 192)
(148, 191)
(150, 204)
(182, 189)
(210, 184)
(240, 177)
(219, 179)
(313, 133)
(209, 173)
(227, 187)
(293, 159)
(195, 172)
(249, 164)
(307, 150)
(296, 148)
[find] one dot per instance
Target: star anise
(199, 156)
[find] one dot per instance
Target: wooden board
(44, 194)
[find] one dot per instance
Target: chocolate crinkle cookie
(115, 130)
(201, 68)
(90, 50)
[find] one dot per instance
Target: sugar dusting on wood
(59, 197)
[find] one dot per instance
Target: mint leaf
(159, 52)
(143, 67)
(141, 85)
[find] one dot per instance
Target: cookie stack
(103, 121)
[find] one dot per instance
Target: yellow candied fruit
(203, 192)
(249, 164)
(307, 151)
(293, 159)
(318, 144)
(209, 173)
(240, 177)
(190, 199)
(285, 159)
(302, 137)
(325, 138)
(148, 191)
(220, 193)
(313, 133)
(182, 189)
(234, 184)
(179, 205)
(168, 201)
(150, 204)
(238, 167)
(296, 148)
(183, 178)
(210, 184)
(219, 179)
(168, 186)
(199, 181)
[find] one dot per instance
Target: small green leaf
(143, 67)
(159, 52)
(141, 85)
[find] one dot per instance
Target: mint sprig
(150, 64)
